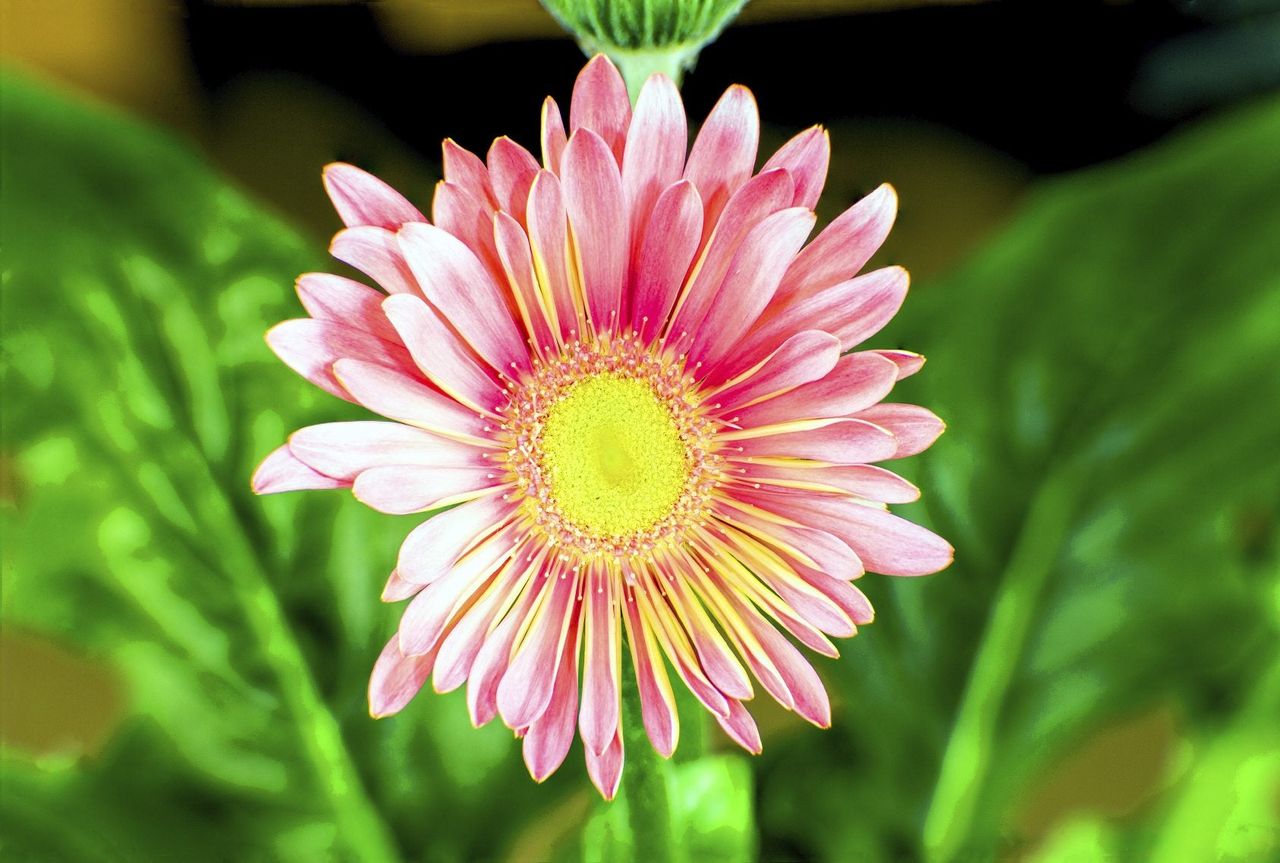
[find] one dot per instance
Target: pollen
(612, 455)
(610, 449)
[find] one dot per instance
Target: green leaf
(136, 285)
(138, 397)
(1109, 370)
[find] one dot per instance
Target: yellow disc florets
(610, 448)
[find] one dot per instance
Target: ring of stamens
(611, 449)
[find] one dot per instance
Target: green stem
(636, 65)
(968, 753)
(644, 785)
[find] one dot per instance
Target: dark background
(1049, 83)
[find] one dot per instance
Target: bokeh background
(1091, 212)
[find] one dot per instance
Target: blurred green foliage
(1110, 369)
(139, 396)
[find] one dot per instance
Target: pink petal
(809, 614)
(327, 297)
(463, 169)
(400, 490)
(426, 617)
(671, 635)
(434, 546)
(864, 480)
(511, 169)
(773, 601)
(469, 219)
(362, 199)
(548, 241)
(460, 287)
(885, 543)
(311, 347)
(397, 589)
(656, 144)
(598, 719)
(806, 693)
(282, 471)
(806, 156)
(758, 199)
(525, 690)
(553, 136)
(517, 262)
(374, 252)
(908, 363)
(465, 636)
(733, 618)
(842, 249)
(876, 298)
(914, 427)
(670, 241)
(857, 381)
(344, 449)
(396, 679)
(605, 770)
(804, 357)
(600, 103)
(750, 282)
(441, 356)
(718, 662)
(851, 600)
(841, 441)
(800, 545)
(852, 311)
(494, 658)
(800, 600)
(872, 482)
(398, 396)
(741, 728)
(598, 219)
(811, 604)
(548, 739)
(657, 702)
(894, 546)
(724, 153)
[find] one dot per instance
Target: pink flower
(629, 373)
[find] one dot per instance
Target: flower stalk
(645, 36)
(644, 785)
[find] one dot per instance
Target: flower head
(630, 379)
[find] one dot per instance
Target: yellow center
(613, 456)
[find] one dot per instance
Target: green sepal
(645, 36)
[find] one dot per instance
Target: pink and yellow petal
(601, 105)
(283, 471)
(362, 199)
(843, 247)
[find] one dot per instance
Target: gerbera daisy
(630, 379)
